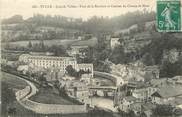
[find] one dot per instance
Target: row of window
(54, 62)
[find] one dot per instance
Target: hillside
(59, 27)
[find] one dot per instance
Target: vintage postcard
(91, 58)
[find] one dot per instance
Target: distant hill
(94, 25)
(13, 20)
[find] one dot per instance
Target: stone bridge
(115, 79)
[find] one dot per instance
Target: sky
(24, 7)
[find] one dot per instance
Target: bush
(163, 110)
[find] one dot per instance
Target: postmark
(168, 15)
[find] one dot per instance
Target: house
(88, 68)
(86, 78)
(167, 93)
(152, 72)
(144, 94)
(66, 77)
(177, 79)
(80, 50)
(23, 68)
(136, 107)
(79, 91)
(126, 103)
(140, 107)
(114, 42)
(131, 84)
(177, 102)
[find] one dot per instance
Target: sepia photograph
(91, 58)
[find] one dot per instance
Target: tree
(148, 59)
(42, 79)
(58, 50)
(30, 45)
(119, 56)
(163, 110)
(70, 70)
(171, 69)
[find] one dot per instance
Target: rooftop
(130, 98)
(49, 57)
(176, 101)
(169, 90)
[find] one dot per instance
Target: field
(13, 81)
(47, 96)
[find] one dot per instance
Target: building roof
(148, 106)
(134, 106)
(51, 58)
(85, 65)
(177, 101)
(158, 82)
(130, 98)
(137, 84)
(144, 106)
(170, 90)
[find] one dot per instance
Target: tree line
(94, 25)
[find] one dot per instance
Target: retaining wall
(53, 108)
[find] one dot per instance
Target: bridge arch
(115, 79)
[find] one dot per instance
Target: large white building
(49, 61)
(55, 62)
(86, 67)
(114, 42)
(77, 50)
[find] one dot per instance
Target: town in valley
(56, 66)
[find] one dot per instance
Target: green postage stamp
(168, 15)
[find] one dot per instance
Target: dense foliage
(77, 74)
(94, 25)
(163, 110)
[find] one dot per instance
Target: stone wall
(53, 108)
